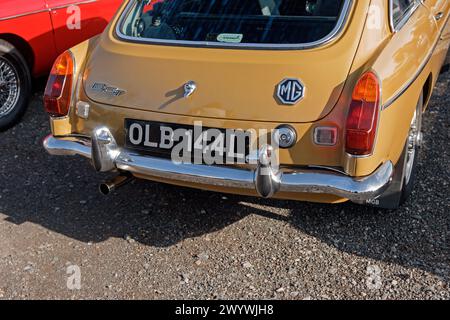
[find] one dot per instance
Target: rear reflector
(325, 136)
(362, 118)
(83, 109)
(59, 86)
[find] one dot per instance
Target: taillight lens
(362, 119)
(59, 86)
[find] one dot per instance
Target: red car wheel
(15, 85)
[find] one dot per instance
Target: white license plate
(168, 139)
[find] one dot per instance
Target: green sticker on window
(230, 37)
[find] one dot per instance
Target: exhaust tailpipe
(109, 186)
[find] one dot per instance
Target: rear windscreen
(232, 21)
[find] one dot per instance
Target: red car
(32, 34)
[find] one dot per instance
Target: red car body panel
(41, 26)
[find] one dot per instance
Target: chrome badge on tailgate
(108, 90)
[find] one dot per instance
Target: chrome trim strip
(342, 21)
(405, 19)
(326, 168)
(299, 181)
(48, 9)
(73, 4)
(23, 14)
(399, 93)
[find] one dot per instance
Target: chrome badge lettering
(104, 88)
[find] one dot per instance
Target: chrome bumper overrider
(106, 155)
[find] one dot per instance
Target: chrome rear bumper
(107, 156)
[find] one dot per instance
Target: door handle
(439, 16)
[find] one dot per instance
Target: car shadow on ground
(61, 195)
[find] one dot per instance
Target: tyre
(406, 169)
(411, 153)
(15, 85)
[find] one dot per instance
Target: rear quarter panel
(397, 58)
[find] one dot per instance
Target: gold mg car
(311, 100)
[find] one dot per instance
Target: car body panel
(16, 20)
(406, 61)
(41, 25)
(438, 9)
(154, 75)
(15, 8)
(95, 16)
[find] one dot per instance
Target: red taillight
(362, 118)
(59, 86)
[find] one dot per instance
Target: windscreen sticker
(230, 37)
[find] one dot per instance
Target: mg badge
(290, 91)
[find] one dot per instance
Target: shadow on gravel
(61, 195)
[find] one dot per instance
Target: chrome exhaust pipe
(109, 186)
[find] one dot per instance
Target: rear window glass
(266, 22)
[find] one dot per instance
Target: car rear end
(277, 69)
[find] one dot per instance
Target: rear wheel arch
(427, 90)
(400, 187)
(22, 46)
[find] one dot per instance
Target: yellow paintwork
(154, 74)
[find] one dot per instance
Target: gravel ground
(156, 241)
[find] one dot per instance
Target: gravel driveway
(156, 241)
